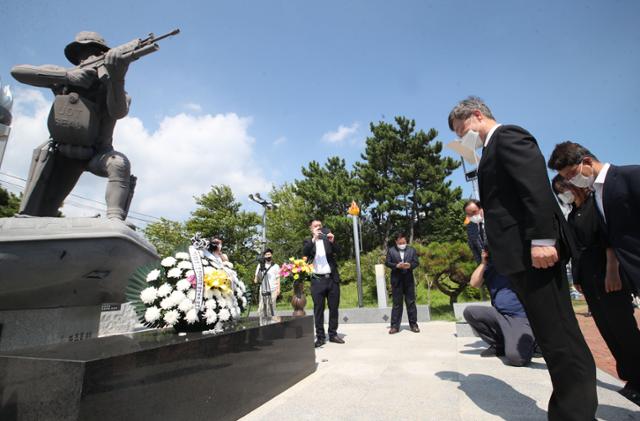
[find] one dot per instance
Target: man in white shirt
(321, 250)
(267, 274)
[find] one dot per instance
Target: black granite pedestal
(158, 375)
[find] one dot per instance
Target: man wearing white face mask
(610, 303)
(617, 195)
(565, 197)
(529, 243)
(617, 204)
(402, 260)
(476, 236)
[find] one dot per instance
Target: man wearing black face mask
(268, 274)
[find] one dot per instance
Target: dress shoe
(537, 352)
(393, 330)
(630, 393)
(319, 343)
(336, 339)
(415, 329)
(492, 352)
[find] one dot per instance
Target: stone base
(158, 374)
(366, 314)
(464, 330)
(117, 319)
(29, 328)
(67, 262)
(462, 327)
(458, 308)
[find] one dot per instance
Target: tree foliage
(327, 192)
(9, 203)
(287, 225)
(218, 214)
(403, 178)
(448, 265)
(167, 235)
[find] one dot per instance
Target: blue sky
(298, 71)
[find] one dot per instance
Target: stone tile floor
(433, 375)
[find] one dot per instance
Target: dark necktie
(483, 236)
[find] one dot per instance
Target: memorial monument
(57, 273)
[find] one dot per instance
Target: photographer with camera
(267, 275)
(321, 250)
(215, 247)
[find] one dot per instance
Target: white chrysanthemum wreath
(192, 290)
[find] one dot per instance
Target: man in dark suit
(526, 235)
(403, 259)
(321, 250)
(476, 237)
(616, 193)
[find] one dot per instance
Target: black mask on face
(268, 259)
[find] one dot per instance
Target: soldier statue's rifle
(131, 51)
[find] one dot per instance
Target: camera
(324, 232)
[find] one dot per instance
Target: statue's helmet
(84, 39)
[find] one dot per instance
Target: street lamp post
(266, 205)
(468, 155)
(265, 289)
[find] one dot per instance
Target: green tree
(403, 178)
(448, 266)
(167, 235)
(287, 225)
(9, 203)
(327, 192)
(446, 224)
(218, 215)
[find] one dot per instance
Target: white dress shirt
(493, 129)
(320, 262)
(598, 186)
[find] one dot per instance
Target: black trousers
(403, 288)
(613, 314)
(545, 296)
(510, 335)
(325, 289)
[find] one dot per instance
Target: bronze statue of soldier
(88, 102)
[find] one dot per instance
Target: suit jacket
(331, 249)
(621, 203)
(475, 241)
(589, 267)
(393, 258)
(519, 205)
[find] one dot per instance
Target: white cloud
(183, 158)
(341, 134)
(279, 141)
(193, 107)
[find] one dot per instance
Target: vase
(298, 300)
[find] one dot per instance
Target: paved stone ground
(432, 375)
(599, 349)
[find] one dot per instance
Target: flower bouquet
(297, 270)
(192, 290)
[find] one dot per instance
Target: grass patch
(440, 307)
